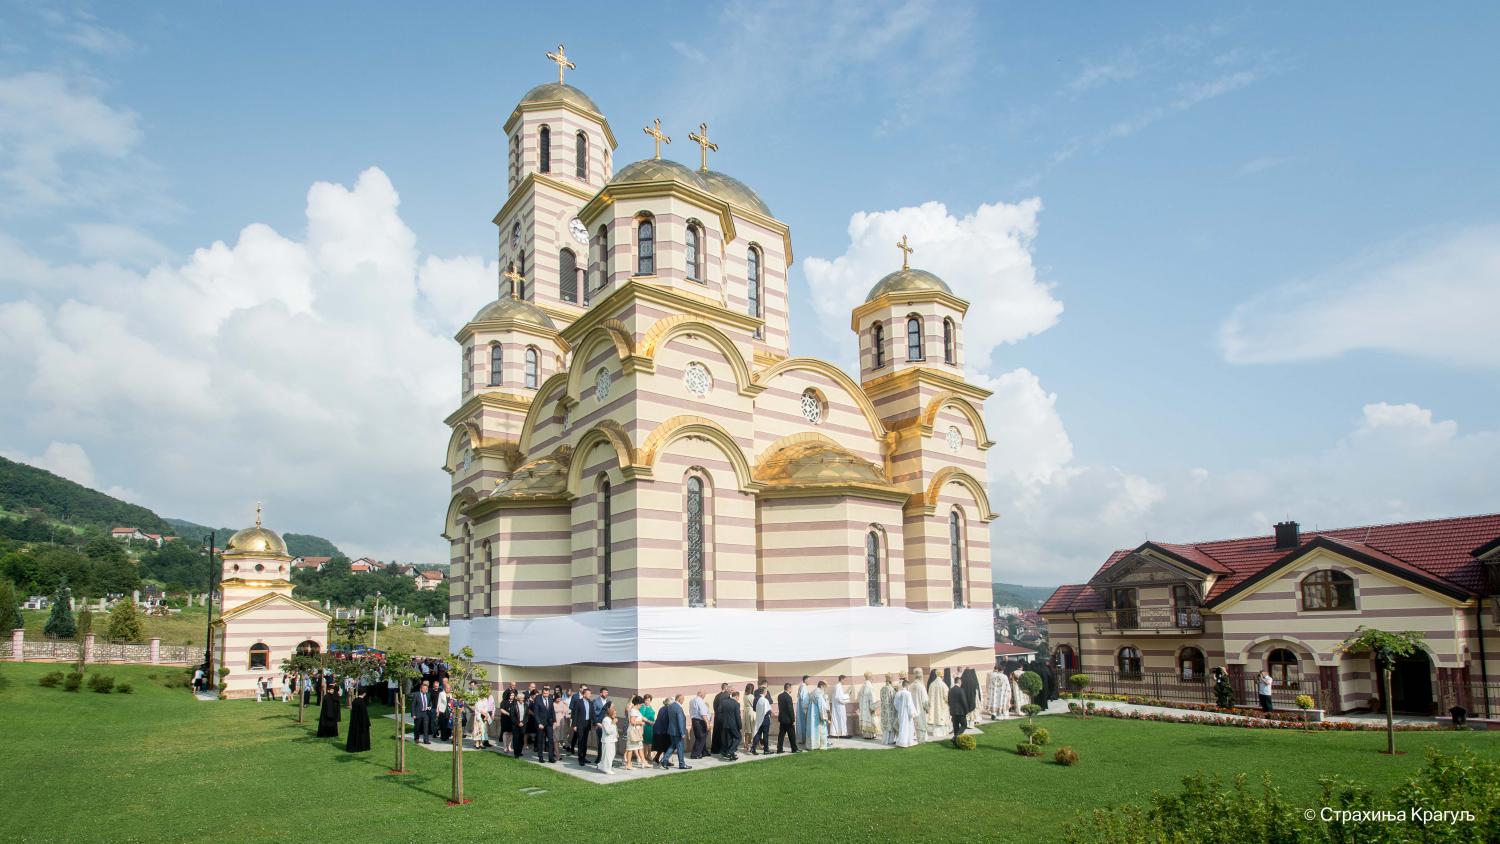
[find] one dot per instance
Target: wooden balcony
(1151, 620)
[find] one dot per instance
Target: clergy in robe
(869, 709)
(970, 684)
(817, 713)
(937, 707)
(804, 699)
(999, 694)
(359, 725)
(918, 691)
(716, 738)
(905, 716)
(887, 712)
(838, 723)
(328, 715)
(1018, 698)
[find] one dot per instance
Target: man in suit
(958, 708)
(421, 714)
(728, 724)
(786, 718)
(546, 739)
(677, 733)
(582, 714)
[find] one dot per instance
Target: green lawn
(160, 766)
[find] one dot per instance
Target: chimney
(1287, 535)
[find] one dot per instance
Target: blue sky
(1270, 230)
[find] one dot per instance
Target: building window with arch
(697, 541)
(497, 359)
(913, 338)
(308, 648)
(489, 574)
(695, 252)
(645, 245)
(606, 548)
(567, 275)
(873, 591)
(544, 150)
(1328, 590)
(521, 268)
(1064, 658)
(1128, 661)
(581, 155)
(877, 345)
(531, 367)
(603, 256)
(956, 555)
(949, 354)
(1284, 668)
(1191, 665)
(465, 378)
(752, 281)
(812, 406)
(260, 656)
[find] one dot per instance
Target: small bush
(153, 676)
(1079, 682)
(72, 682)
(1090, 706)
(1031, 709)
(1026, 748)
(1074, 708)
(50, 679)
(1305, 702)
(1028, 728)
(1066, 756)
(1040, 736)
(967, 743)
(101, 683)
(1031, 683)
(124, 688)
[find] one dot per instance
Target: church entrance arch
(1411, 684)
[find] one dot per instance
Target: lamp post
(375, 623)
(208, 638)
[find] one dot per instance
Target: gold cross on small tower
(517, 281)
(257, 514)
(655, 132)
(905, 252)
(701, 139)
(561, 57)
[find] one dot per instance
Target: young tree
(466, 686)
(125, 622)
(397, 666)
(60, 623)
(1384, 648)
(10, 608)
(302, 666)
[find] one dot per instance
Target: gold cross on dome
(655, 132)
(905, 252)
(257, 514)
(516, 279)
(561, 57)
(701, 139)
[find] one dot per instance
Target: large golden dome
(817, 462)
(508, 307)
(657, 170)
(552, 92)
(906, 281)
(255, 541)
(733, 191)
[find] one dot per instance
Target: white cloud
(689, 52)
(313, 374)
(1260, 165)
(48, 125)
(115, 242)
(1433, 298)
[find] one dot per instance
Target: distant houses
(309, 563)
(425, 580)
(130, 534)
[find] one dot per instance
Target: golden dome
(552, 92)
(817, 462)
(733, 191)
(255, 541)
(906, 281)
(507, 307)
(657, 170)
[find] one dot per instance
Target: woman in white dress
(937, 703)
(999, 694)
(609, 734)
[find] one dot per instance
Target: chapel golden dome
(258, 541)
(733, 191)
(507, 307)
(552, 92)
(817, 462)
(907, 281)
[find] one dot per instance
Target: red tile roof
(429, 574)
(1007, 649)
(1436, 552)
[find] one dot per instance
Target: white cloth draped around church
(666, 634)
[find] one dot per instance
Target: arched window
(1328, 590)
(948, 351)
(603, 257)
(914, 338)
(531, 367)
(468, 373)
(497, 358)
(697, 594)
(1128, 661)
(1284, 668)
(1191, 665)
(694, 252)
(260, 656)
(606, 548)
(521, 268)
(872, 568)
(581, 156)
(877, 344)
(567, 275)
(752, 281)
(489, 574)
(956, 556)
(544, 150)
(1064, 658)
(645, 247)
(308, 648)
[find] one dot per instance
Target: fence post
(17, 644)
(156, 650)
(88, 648)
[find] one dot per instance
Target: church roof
(269, 597)
(903, 281)
(255, 541)
(551, 92)
(734, 191)
(721, 185)
(817, 462)
(543, 477)
(508, 307)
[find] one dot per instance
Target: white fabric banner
(681, 634)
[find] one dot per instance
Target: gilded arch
(464, 433)
(838, 376)
(941, 400)
(456, 507)
(666, 328)
(953, 474)
(614, 335)
(540, 405)
(606, 431)
(688, 425)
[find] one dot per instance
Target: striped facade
(259, 624)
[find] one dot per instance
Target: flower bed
(1246, 711)
(1257, 723)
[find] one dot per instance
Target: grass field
(159, 765)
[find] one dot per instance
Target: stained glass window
(645, 262)
(693, 270)
(496, 359)
(955, 439)
(752, 277)
(696, 379)
(914, 338)
(812, 407)
(955, 550)
(696, 596)
(601, 385)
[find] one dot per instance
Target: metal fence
(1168, 685)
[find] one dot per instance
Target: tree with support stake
(1384, 648)
(466, 687)
(302, 666)
(397, 667)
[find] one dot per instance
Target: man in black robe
(716, 740)
(359, 725)
(1049, 685)
(328, 715)
(969, 682)
(958, 709)
(727, 725)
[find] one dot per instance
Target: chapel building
(649, 492)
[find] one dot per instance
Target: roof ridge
(1321, 531)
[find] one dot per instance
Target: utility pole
(208, 640)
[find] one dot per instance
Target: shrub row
(73, 681)
(1259, 723)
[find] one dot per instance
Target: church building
(648, 491)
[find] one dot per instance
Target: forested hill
(26, 489)
(297, 544)
(1025, 597)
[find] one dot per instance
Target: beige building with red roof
(1155, 618)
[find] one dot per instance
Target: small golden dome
(733, 191)
(657, 170)
(817, 462)
(552, 92)
(510, 308)
(255, 541)
(906, 281)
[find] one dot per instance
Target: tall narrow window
(948, 353)
(544, 151)
(914, 338)
(877, 345)
(752, 281)
(531, 367)
(567, 276)
(606, 549)
(872, 568)
(645, 247)
(581, 156)
(521, 268)
(497, 357)
(694, 272)
(603, 256)
(695, 541)
(956, 553)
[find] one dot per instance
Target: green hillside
(1025, 597)
(297, 544)
(27, 490)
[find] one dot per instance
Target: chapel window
(645, 246)
(877, 344)
(567, 275)
(694, 252)
(544, 142)
(581, 156)
(260, 656)
(606, 548)
(531, 367)
(948, 351)
(1328, 590)
(497, 358)
(914, 338)
(872, 568)
(956, 555)
(752, 279)
(695, 542)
